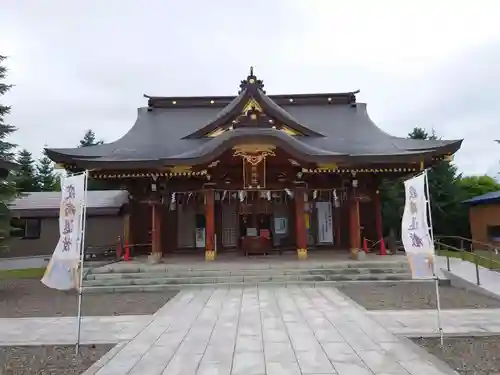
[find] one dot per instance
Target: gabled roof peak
(251, 83)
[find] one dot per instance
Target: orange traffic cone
(383, 250)
(126, 257)
(365, 245)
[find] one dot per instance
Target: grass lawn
(25, 273)
(486, 259)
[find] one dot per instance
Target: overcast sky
(86, 64)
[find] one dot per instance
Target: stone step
(162, 287)
(243, 273)
(245, 279)
(123, 267)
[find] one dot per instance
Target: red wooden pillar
(209, 224)
(354, 224)
(156, 221)
(300, 223)
(378, 214)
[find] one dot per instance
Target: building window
(26, 228)
(494, 233)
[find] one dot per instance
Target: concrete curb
(92, 370)
(439, 364)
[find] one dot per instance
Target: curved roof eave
(216, 147)
(157, 163)
(446, 147)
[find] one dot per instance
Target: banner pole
(82, 256)
(436, 279)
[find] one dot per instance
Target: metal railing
(468, 244)
(491, 260)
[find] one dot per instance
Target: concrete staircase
(148, 278)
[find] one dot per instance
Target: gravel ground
(48, 360)
(466, 355)
(416, 295)
(30, 298)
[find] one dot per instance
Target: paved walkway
(51, 331)
(257, 331)
(24, 262)
(490, 280)
(415, 323)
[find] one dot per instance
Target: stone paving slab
(63, 330)
(257, 331)
(413, 323)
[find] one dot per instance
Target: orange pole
(383, 250)
(127, 252)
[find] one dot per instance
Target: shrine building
(253, 173)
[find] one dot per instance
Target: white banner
(325, 229)
(62, 270)
(415, 231)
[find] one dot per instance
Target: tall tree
(445, 197)
(47, 178)
(89, 139)
(25, 177)
(7, 188)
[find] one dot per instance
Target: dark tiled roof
(493, 197)
(335, 131)
(104, 202)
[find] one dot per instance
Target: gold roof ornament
(331, 166)
(180, 168)
(254, 149)
(252, 104)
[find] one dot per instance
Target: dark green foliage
(89, 139)
(446, 201)
(449, 215)
(25, 176)
(47, 178)
(7, 188)
(474, 186)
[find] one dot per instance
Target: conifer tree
(47, 177)
(25, 177)
(445, 196)
(7, 188)
(89, 139)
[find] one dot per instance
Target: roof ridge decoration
(252, 82)
(253, 108)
